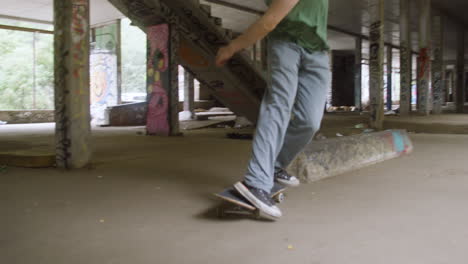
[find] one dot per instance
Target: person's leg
(275, 113)
(314, 78)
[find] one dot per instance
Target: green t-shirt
(305, 25)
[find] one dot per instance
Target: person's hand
(224, 54)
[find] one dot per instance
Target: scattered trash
(389, 113)
(239, 136)
(339, 135)
(342, 109)
(3, 122)
(290, 247)
(100, 176)
(185, 115)
(219, 109)
(320, 137)
(101, 221)
(360, 126)
(369, 130)
(242, 122)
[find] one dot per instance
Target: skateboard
(233, 203)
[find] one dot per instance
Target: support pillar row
(376, 10)
(424, 60)
(438, 73)
(358, 75)
(162, 81)
(460, 90)
(72, 83)
(405, 58)
(389, 77)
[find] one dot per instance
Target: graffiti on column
(174, 78)
(405, 75)
(437, 73)
(77, 53)
(423, 75)
(79, 33)
(103, 84)
(158, 80)
(375, 64)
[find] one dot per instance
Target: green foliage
(16, 71)
(133, 59)
(16, 66)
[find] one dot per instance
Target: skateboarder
(293, 104)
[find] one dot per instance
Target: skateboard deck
(235, 203)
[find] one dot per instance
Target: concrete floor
(148, 200)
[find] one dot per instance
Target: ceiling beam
(27, 19)
(26, 29)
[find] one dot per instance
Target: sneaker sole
(288, 183)
(256, 202)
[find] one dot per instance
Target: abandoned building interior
(117, 127)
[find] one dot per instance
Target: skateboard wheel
(280, 198)
(257, 215)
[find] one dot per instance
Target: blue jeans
(291, 111)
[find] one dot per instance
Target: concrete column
(424, 60)
(450, 85)
(72, 91)
(174, 62)
(376, 10)
(119, 61)
(189, 93)
(162, 81)
(389, 77)
(460, 90)
(438, 74)
(405, 58)
(358, 75)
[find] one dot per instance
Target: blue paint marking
(398, 142)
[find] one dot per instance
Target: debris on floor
(320, 136)
(339, 135)
(3, 122)
(213, 112)
(185, 115)
(390, 113)
(242, 122)
(341, 109)
(360, 126)
(245, 136)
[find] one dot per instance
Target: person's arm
(278, 10)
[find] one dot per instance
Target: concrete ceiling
(348, 15)
(352, 16)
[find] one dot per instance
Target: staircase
(239, 85)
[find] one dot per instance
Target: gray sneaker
(283, 177)
(260, 199)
